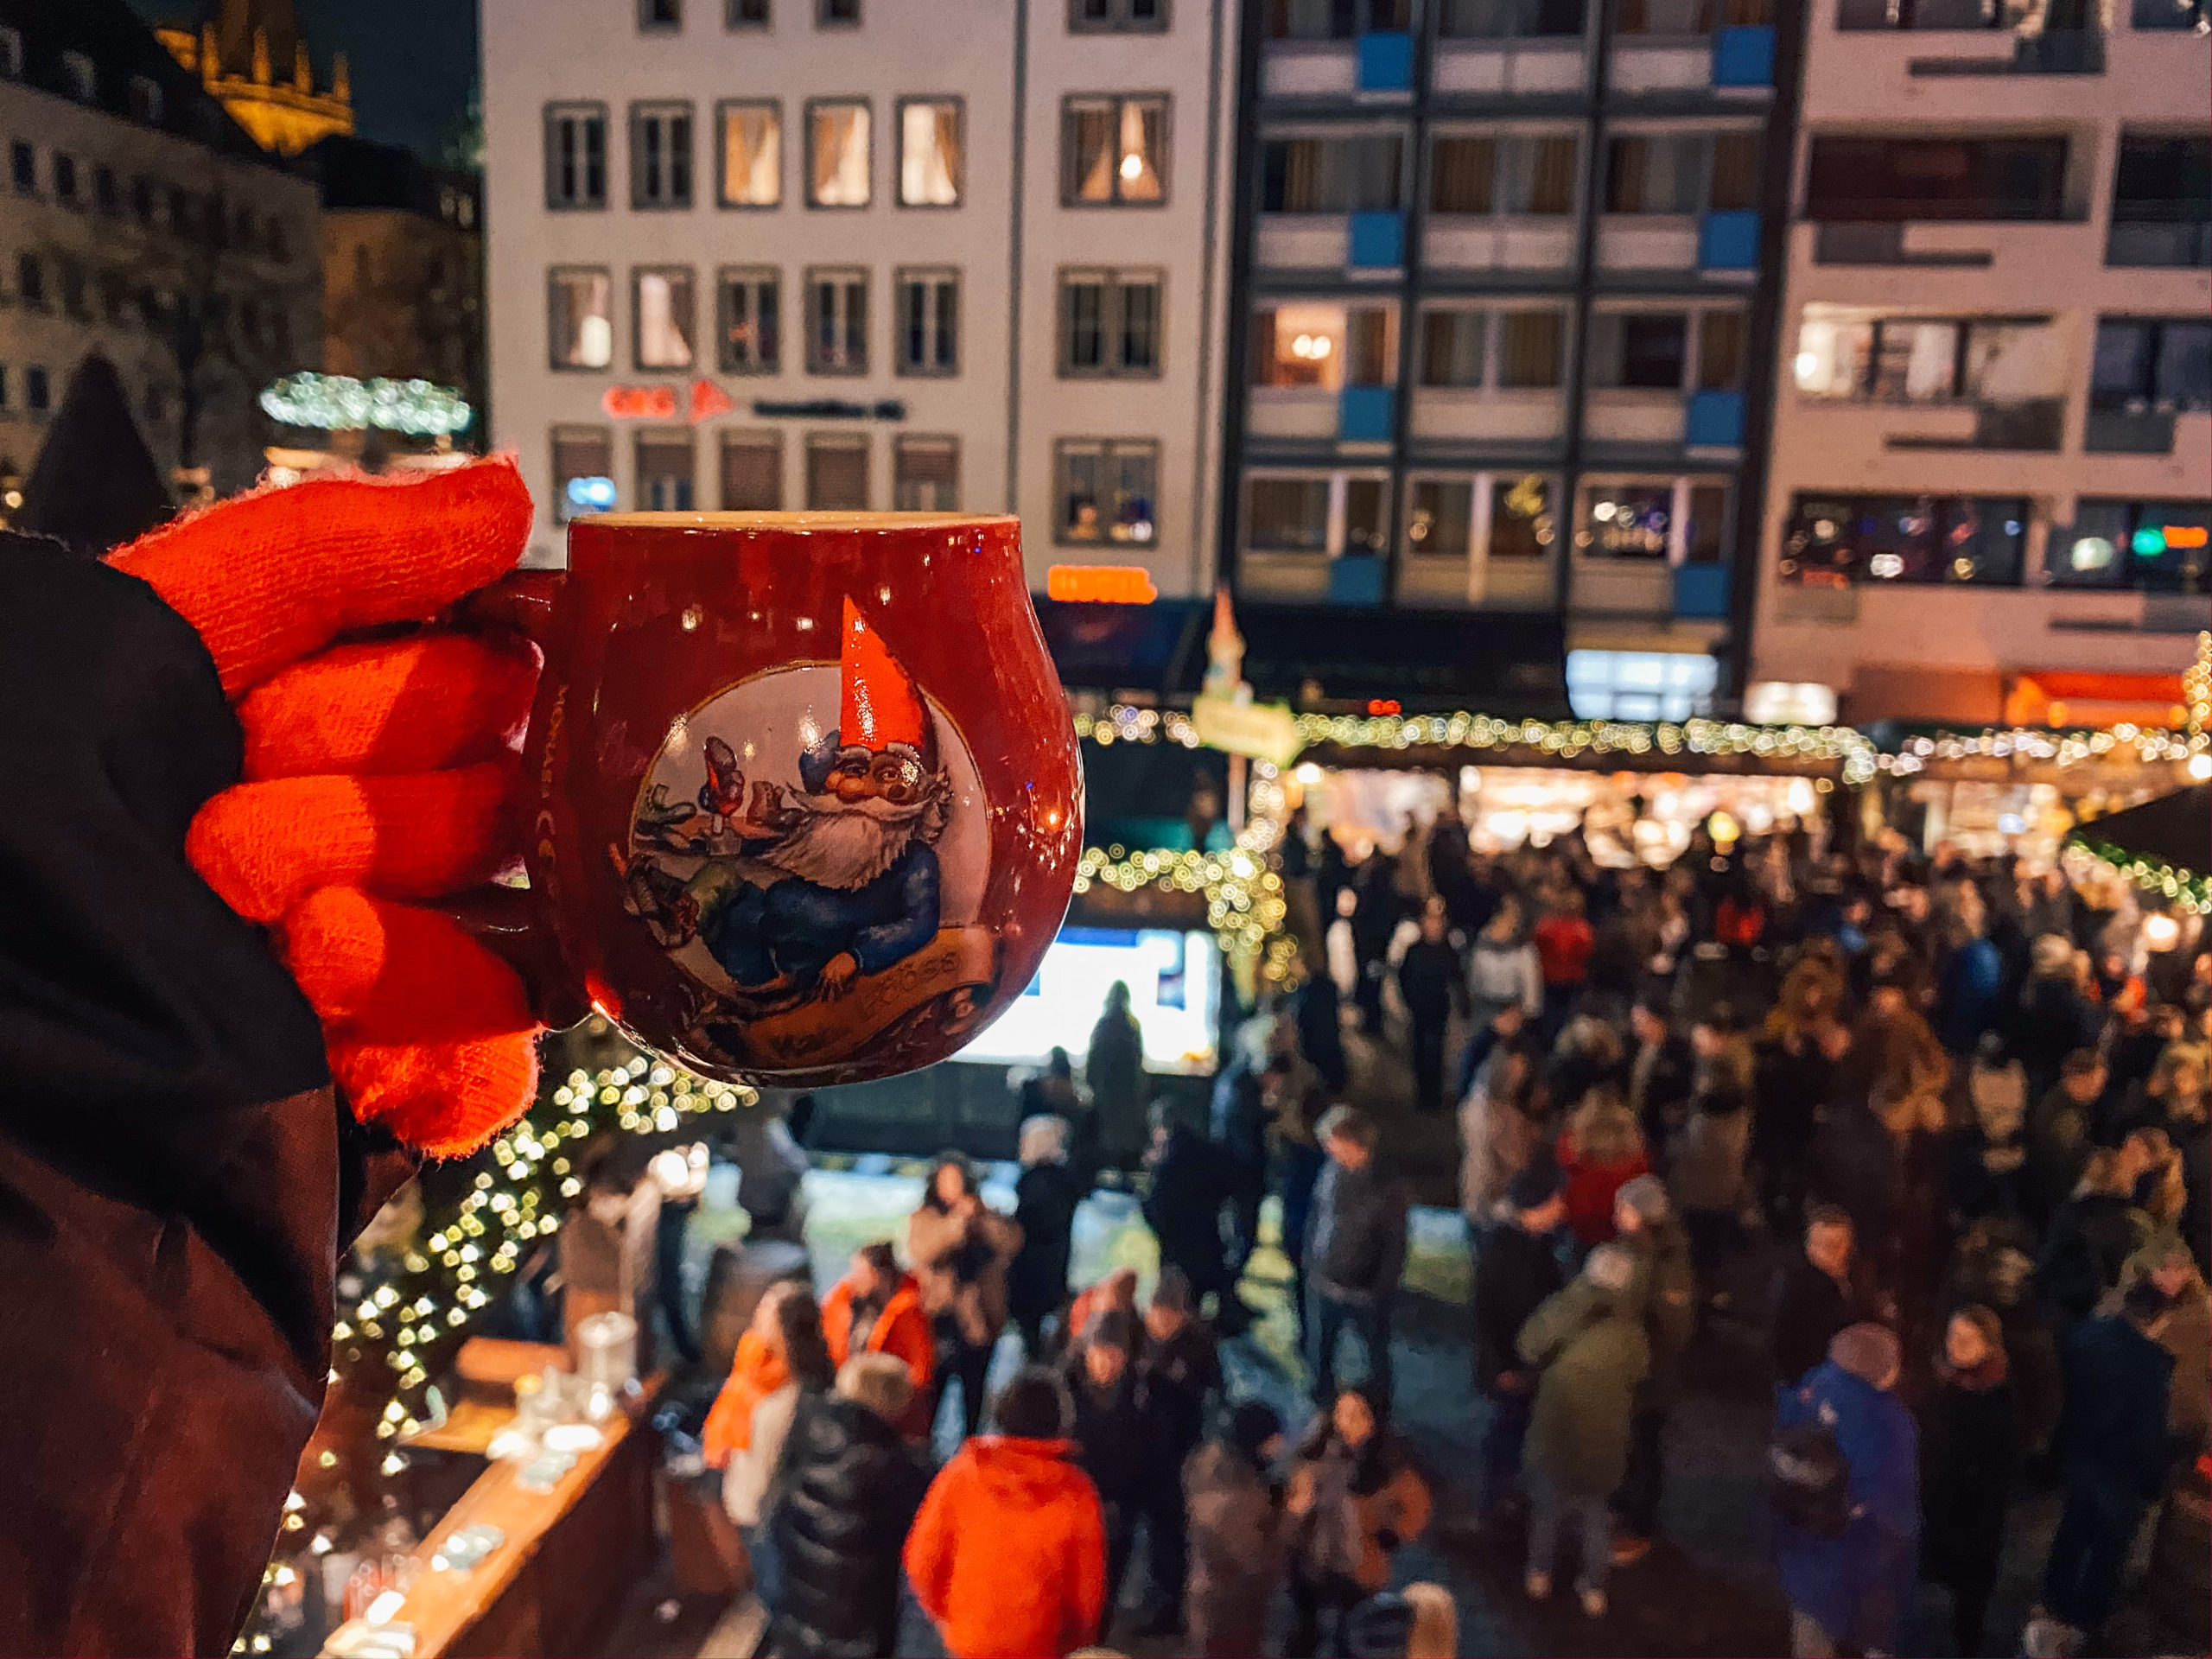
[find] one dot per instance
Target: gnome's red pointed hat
(881, 711)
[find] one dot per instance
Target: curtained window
(753, 154)
(930, 153)
(837, 154)
(752, 472)
(661, 306)
(1113, 151)
(836, 472)
(579, 323)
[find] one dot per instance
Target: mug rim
(821, 523)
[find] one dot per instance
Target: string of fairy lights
(2188, 889)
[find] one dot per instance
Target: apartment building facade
(1508, 279)
(142, 224)
(850, 254)
(1992, 448)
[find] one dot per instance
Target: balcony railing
(2033, 426)
(2129, 432)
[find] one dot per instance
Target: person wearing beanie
(1238, 1533)
(1587, 1346)
(1645, 1222)
(1525, 1261)
(1852, 1589)
(1970, 1454)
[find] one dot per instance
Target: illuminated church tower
(253, 59)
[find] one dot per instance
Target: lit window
(584, 471)
(1105, 491)
(929, 323)
(753, 154)
(580, 318)
(1440, 518)
(1521, 522)
(925, 474)
(1113, 151)
(1838, 540)
(836, 321)
(751, 321)
(83, 79)
(146, 100)
(661, 308)
(929, 153)
(2159, 546)
(1641, 684)
(660, 156)
(664, 472)
(1111, 323)
(1324, 344)
(1118, 16)
(576, 155)
(837, 154)
(836, 472)
(752, 472)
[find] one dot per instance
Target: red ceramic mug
(807, 804)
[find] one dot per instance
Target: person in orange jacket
(1007, 1556)
(1116, 1293)
(757, 1371)
(877, 1309)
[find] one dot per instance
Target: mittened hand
(380, 773)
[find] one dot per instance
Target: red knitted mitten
(379, 771)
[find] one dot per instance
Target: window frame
(1801, 501)
(899, 106)
(752, 276)
(1113, 280)
(669, 436)
(22, 167)
(2156, 326)
(62, 167)
(1487, 348)
(824, 439)
(862, 101)
(846, 278)
(637, 275)
(722, 108)
(1118, 20)
(824, 20)
(642, 112)
(1106, 448)
(1682, 488)
(1071, 102)
(648, 24)
(578, 432)
(901, 443)
(732, 23)
(2135, 510)
(38, 390)
(769, 438)
(582, 113)
(934, 277)
(553, 273)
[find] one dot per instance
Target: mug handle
(506, 920)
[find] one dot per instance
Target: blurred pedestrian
(1824, 1286)
(1112, 1435)
(1178, 1377)
(1007, 1556)
(793, 1328)
(1114, 1070)
(1238, 1535)
(877, 1309)
(1600, 1151)
(1665, 1297)
(1970, 1455)
(1429, 984)
(1046, 1195)
(1355, 1498)
(1587, 1349)
(1354, 1254)
(1500, 1135)
(960, 1248)
(1525, 1257)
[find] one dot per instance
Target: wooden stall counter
(569, 1555)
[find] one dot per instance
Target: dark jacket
(1045, 1198)
(2051, 1022)
(177, 1173)
(1970, 1451)
(851, 1487)
(1855, 1164)
(2112, 1432)
(1175, 1378)
(1515, 1271)
(1190, 1183)
(2089, 1240)
(1115, 1436)
(1809, 1308)
(1356, 1240)
(1239, 1535)
(1428, 975)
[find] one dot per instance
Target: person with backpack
(1587, 1344)
(1843, 1474)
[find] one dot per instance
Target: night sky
(414, 61)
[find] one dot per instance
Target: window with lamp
(1324, 345)
(1109, 324)
(1105, 492)
(1113, 151)
(1673, 520)
(1839, 540)
(2156, 546)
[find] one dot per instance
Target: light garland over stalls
(2182, 887)
(339, 403)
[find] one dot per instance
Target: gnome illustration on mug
(815, 918)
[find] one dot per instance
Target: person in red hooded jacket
(1007, 1556)
(877, 1309)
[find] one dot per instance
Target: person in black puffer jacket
(850, 1487)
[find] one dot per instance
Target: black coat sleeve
(175, 1174)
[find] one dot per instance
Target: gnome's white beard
(846, 844)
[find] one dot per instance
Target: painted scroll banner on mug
(944, 985)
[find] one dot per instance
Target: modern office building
(142, 224)
(868, 253)
(1507, 278)
(1993, 441)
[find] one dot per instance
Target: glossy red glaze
(700, 874)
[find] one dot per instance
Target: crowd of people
(1932, 1130)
